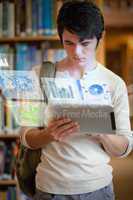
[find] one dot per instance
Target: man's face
(79, 52)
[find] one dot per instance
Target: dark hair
(83, 18)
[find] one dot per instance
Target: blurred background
(28, 37)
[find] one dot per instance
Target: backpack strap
(47, 69)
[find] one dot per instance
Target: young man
(75, 166)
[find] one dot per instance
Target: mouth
(79, 59)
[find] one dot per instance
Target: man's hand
(114, 145)
(57, 130)
(62, 128)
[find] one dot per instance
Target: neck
(76, 70)
(90, 65)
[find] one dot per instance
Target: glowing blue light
(96, 89)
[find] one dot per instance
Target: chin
(81, 63)
(78, 61)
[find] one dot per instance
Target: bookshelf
(119, 58)
(29, 39)
(31, 33)
(8, 182)
(6, 136)
(27, 32)
(119, 18)
(118, 41)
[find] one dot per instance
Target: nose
(78, 50)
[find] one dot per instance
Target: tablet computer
(92, 119)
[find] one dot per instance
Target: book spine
(3, 195)
(29, 17)
(22, 16)
(46, 17)
(1, 114)
(1, 18)
(17, 18)
(11, 19)
(4, 52)
(5, 17)
(35, 17)
(53, 8)
(2, 157)
(9, 120)
(21, 57)
(11, 57)
(40, 17)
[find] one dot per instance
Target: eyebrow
(81, 41)
(85, 40)
(68, 41)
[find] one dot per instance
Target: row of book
(8, 193)
(119, 5)
(7, 121)
(8, 152)
(11, 193)
(22, 56)
(30, 17)
(38, 17)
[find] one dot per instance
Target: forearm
(57, 130)
(114, 145)
(36, 138)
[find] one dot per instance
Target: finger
(68, 133)
(64, 130)
(54, 128)
(66, 126)
(57, 130)
(61, 119)
(59, 122)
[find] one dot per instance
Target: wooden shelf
(118, 40)
(7, 136)
(118, 18)
(29, 39)
(8, 182)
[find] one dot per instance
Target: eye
(68, 43)
(85, 44)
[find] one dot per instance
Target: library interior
(28, 37)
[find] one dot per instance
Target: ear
(101, 49)
(103, 34)
(102, 38)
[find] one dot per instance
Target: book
(2, 157)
